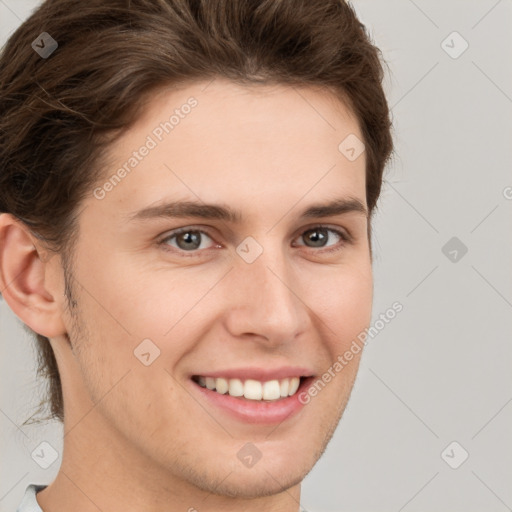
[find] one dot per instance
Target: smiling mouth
(249, 389)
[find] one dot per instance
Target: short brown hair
(58, 114)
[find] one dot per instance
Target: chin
(252, 483)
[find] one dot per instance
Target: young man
(186, 191)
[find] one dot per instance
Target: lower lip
(255, 411)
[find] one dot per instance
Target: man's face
(263, 298)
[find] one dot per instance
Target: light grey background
(441, 370)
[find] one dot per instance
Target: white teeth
(271, 390)
(252, 389)
(236, 388)
(294, 385)
(283, 388)
(221, 385)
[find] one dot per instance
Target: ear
(25, 268)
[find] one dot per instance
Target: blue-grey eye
(319, 236)
(189, 240)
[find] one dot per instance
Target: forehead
(246, 145)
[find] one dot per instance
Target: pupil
(190, 238)
(318, 237)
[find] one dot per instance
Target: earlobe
(23, 268)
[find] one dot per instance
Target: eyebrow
(179, 209)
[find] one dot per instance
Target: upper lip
(261, 374)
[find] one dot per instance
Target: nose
(266, 300)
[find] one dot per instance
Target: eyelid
(175, 232)
(346, 238)
(343, 232)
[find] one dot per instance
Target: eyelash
(345, 239)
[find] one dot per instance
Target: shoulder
(29, 502)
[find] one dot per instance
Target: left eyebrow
(180, 209)
(336, 207)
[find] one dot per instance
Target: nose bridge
(267, 302)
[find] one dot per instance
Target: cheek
(141, 301)
(343, 301)
(174, 311)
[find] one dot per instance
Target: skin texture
(141, 437)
